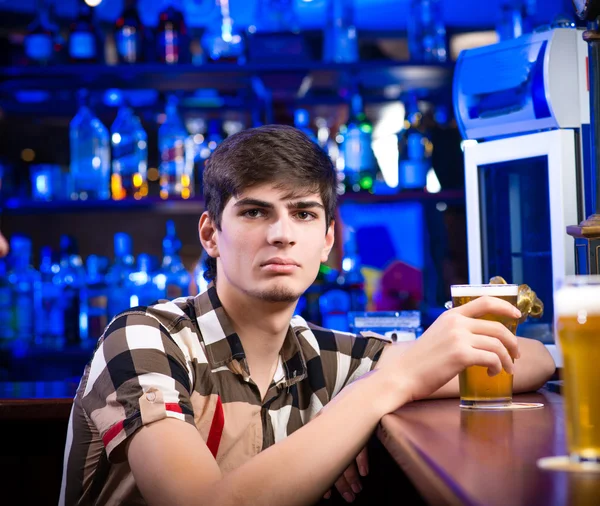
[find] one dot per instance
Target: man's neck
(260, 325)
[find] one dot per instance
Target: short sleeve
(138, 375)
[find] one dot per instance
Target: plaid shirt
(182, 359)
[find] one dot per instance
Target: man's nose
(281, 231)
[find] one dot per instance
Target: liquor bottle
(340, 41)
(129, 156)
(351, 278)
(6, 308)
(41, 34)
(90, 154)
(426, 32)
(129, 34)
(173, 280)
(140, 283)
(515, 18)
(51, 328)
(175, 165)
(302, 122)
(172, 37)
(276, 16)
(414, 149)
(84, 40)
(25, 283)
(360, 164)
(334, 306)
(97, 295)
(118, 273)
(71, 280)
(223, 42)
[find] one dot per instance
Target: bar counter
(486, 458)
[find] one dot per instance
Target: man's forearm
(304, 465)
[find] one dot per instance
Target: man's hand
(456, 340)
(348, 484)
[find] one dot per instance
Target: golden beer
(577, 309)
(477, 389)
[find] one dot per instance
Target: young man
(226, 398)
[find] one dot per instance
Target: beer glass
(577, 314)
(477, 389)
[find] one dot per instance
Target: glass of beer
(577, 314)
(477, 389)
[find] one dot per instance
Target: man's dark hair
(278, 154)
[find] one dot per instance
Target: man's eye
(253, 213)
(305, 215)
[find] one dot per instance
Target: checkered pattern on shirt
(182, 359)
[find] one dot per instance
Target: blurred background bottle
(90, 153)
(41, 36)
(175, 164)
(97, 295)
(71, 280)
(140, 284)
(129, 156)
(340, 39)
(171, 33)
(51, 328)
(25, 283)
(414, 148)
(360, 164)
(7, 332)
(222, 42)
(118, 273)
(84, 39)
(426, 32)
(173, 280)
(302, 122)
(130, 35)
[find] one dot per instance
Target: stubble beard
(276, 294)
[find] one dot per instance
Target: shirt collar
(224, 347)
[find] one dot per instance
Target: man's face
(271, 243)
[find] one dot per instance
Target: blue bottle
(140, 283)
(334, 306)
(426, 32)
(129, 156)
(173, 280)
(51, 322)
(340, 43)
(6, 309)
(352, 279)
(90, 154)
(97, 295)
(118, 273)
(25, 283)
(71, 280)
(302, 122)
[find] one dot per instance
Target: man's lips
(280, 265)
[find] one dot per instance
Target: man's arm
(532, 370)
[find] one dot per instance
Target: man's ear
(329, 240)
(207, 231)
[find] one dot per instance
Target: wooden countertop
(486, 458)
(36, 400)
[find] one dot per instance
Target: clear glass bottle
(426, 32)
(140, 283)
(276, 16)
(175, 166)
(129, 156)
(173, 280)
(90, 153)
(223, 42)
(360, 164)
(302, 122)
(118, 273)
(51, 322)
(129, 34)
(25, 283)
(340, 40)
(84, 39)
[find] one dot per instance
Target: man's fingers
(352, 478)
(343, 487)
(498, 331)
(487, 359)
(327, 494)
(485, 305)
(362, 461)
(496, 347)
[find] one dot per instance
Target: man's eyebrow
(253, 202)
(304, 204)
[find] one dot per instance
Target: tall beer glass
(577, 310)
(477, 389)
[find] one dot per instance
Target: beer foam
(479, 290)
(570, 300)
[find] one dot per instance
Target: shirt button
(151, 396)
